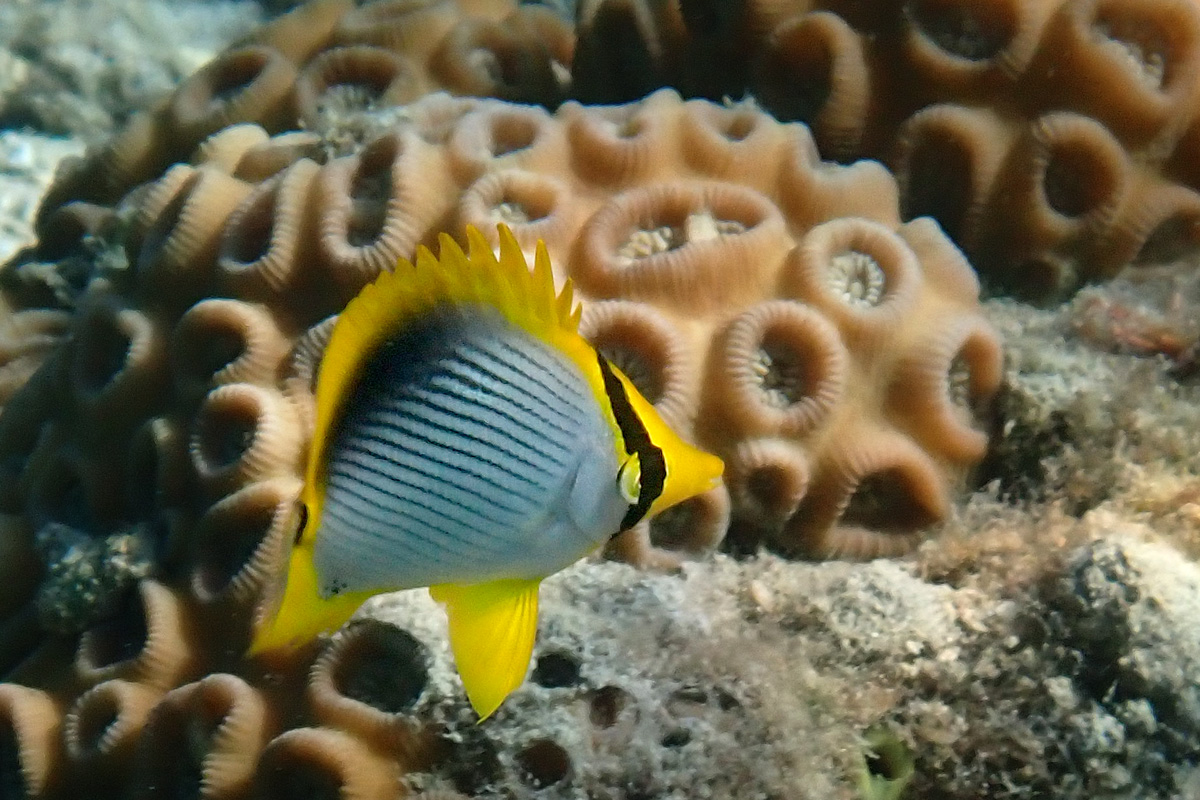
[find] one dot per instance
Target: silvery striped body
(470, 450)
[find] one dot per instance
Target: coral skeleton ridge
(1054, 141)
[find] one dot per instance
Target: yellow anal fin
(303, 614)
(492, 628)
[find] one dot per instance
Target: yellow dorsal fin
(505, 283)
(492, 628)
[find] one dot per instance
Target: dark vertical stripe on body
(637, 440)
(465, 370)
(452, 507)
(441, 407)
(467, 462)
(508, 348)
(410, 461)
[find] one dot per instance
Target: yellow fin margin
(492, 629)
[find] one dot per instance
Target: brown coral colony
(791, 307)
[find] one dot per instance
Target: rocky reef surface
(1042, 642)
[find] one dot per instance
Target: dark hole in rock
(1173, 239)
(884, 502)
(226, 432)
(512, 132)
(807, 88)
(887, 757)
(745, 536)
(677, 737)
(104, 350)
(691, 694)
(675, 528)
(302, 782)
(607, 703)
(641, 793)
(220, 349)
(236, 75)
(556, 669)
(725, 700)
(119, 638)
(251, 239)
(12, 777)
(226, 550)
(385, 667)
(1077, 180)
(689, 702)
(469, 759)
(962, 29)
(544, 763)
(370, 190)
(96, 721)
(878, 765)
(939, 184)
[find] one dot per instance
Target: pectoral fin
(492, 628)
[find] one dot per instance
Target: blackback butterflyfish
(468, 439)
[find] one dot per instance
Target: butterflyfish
(468, 439)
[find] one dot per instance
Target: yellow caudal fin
(301, 615)
(492, 628)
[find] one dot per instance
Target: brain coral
(325, 57)
(1055, 141)
(772, 305)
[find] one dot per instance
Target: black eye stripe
(637, 440)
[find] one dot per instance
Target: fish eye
(629, 479)
(302, 522)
